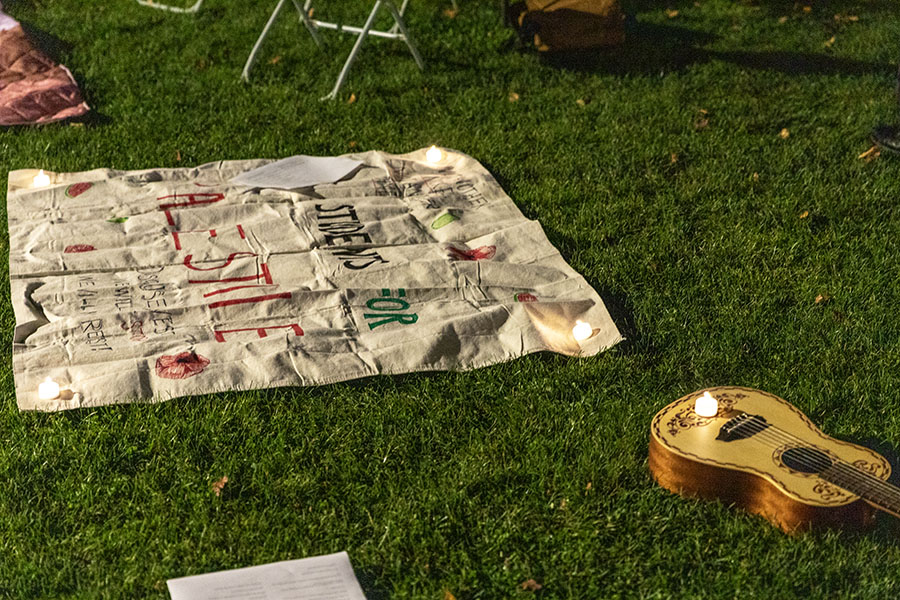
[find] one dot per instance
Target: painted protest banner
(155, 284)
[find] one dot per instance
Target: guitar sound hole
(805, 460)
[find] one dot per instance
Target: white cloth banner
(155, 284)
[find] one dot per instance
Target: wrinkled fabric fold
(33, 89)
(148, 285)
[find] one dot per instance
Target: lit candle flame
(48, 390)
(434, 155)
(582, 331)
(706, 405)
(41, 179)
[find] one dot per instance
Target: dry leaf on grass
(531, 584)
(755, 177)
(804, 214)
(672, 13)
(785, 133)
(870, 154)
(807, 9)
(219, 485)
(351, 99)
(850, 18)
(451, 13)
(782, 20)
(830, 42)
(701, 123)
(77, 124)
(588, 486)
(352, 144)
(513, 97)
(581, 103)
(823, 299)
(448, 595)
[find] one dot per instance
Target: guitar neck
(875, 491)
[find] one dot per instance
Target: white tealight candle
(582, 331)
(706, 405)
(434, 155)
(48, 390)
(41, 179)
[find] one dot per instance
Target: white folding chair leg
(175, 9)
(398, 18)
(245, 74)
(303, 10)
(356, 47)
(396, 27)
(310, 26)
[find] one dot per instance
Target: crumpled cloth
(33, 89)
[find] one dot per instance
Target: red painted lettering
(260, 331)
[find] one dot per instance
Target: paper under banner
(149, 285)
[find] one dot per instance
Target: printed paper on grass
(149, 285)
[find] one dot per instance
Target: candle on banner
(41, 179)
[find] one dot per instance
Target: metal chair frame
(175, 9)
(397, 32)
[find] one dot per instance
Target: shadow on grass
(56, 48)
(654, 49)
(368, 579)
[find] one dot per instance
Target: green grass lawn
(670, 187)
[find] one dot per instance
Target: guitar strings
(780, 437)
(872, 488)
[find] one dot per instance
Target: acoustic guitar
(755, 450)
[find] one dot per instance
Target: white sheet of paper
(298, 172)
(328, 577)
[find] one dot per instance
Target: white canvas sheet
(155, 284)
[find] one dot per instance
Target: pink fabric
(33, 89)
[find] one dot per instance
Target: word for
(388, 309)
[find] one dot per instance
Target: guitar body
(778, 466)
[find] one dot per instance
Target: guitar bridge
(741, 427)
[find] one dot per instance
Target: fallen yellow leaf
(275, 60)
(351, 99)
(451, 13)
(581, 103)
(531, 584)
(830, 42)
(671, 13)
(870, 154)
(782, 20)
(804, 214)
(513, 97)
(785, 133)
(823, 299)
(219, 485)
